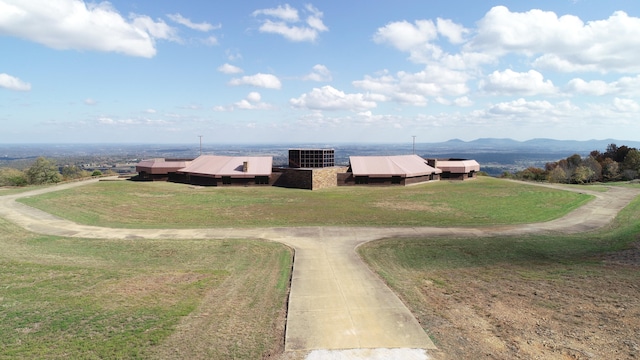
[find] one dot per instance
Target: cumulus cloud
(329, 98)
(404, 35)
(229, 69)
(511, 82)
(453, 32)
(203, 26)
(74, 24)
(414, 88)
(626, 105)
(253, 101)
(319, 73)
(629, 86)
(462, 101)
(13, 83)
(286, 21)
(562, 43)
(268, 81)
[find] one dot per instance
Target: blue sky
(167, 71)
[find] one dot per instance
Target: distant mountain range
(537, 145)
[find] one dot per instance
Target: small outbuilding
(456, 169)
(388, 170)
(160, 169)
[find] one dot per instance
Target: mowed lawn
(485, 201)
(64, 298)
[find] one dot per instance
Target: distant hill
(537, 145)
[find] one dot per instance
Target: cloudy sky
(167, 71)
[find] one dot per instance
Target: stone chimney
(245, 166)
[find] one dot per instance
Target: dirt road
(336, 302)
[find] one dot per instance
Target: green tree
(73, 172)
(596, 169)
(610, 170)
(43, 171)
(581, 175)
(12, 177)
(631, 163)
(557, 175)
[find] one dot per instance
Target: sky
(373, 71)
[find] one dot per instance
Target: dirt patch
(143, 195)
(145, 288)
(411, 207)
(497, 313)
(629, 256)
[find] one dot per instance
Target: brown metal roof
(386, 166)
(458, 166)
(233, 166)
(160, 166)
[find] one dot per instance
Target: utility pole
(414, 144)
(200, 136)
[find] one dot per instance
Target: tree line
(617, 163)
(43, 171)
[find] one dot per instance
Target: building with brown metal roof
(160, 169)
(213, 170)
(388, 170)
(216, 170)
(456, 169)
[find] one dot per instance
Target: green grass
(150, 205)
(64, 298)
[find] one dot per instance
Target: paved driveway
(336, 302)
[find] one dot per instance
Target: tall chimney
(245, 166)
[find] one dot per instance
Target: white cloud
(453, 32)
(511, 82)
(329, 98)
(268, 81)
(286, 17)
(229, 69)
(462, 102)
(251, 102)
(414, 88)
(405, 36)
(125, 122)
(73, 24)
(626, 105)
(150, 111)
(13, 83)
(90, 101)
(286, 13)
(629, 86)
(562, 43)
(203, 26)
(211, 40)
(319, 73)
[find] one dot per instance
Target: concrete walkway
(336, 302)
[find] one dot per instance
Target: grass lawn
(485, 201)
(63, 298)
(526, 297)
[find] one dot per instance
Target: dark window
(226, 180)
